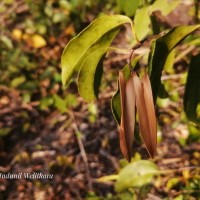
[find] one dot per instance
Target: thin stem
(138, 45)
(82, 151)
(178, 170)
(184, 53)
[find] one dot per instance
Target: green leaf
(142, 23)
(192, 90)
(169, 63)
(160, 49)
(172, 182)
(164, 6)
(18, 81)
(115, 102)
(136, 174)
(162, 93)
(60, 103)
(128, 6)
(82, 45)
(89, 78)
(7, 41)
(4, 131)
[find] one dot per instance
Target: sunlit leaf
(18, 81)
(60, 103)
(35, 41)
(192, 90)
(169, 63)
(6, 41)
(164, 6)
(108, 178)
(160, 49)
(142, 23)
(80, 47)
(172, 182)
(136, 174)
(89, 78)
(128, 6)
(88, 83)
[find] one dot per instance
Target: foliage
(86, 62)
(88, 59)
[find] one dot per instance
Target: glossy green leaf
(90, 75)
(82, 45)
(169, 63)
(115, 102)
(142, 23)
(164, 6)
(192, 90)
(160, 49)
(136, 174)
(89, 78)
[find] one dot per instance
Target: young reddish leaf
(115, 102)
(148, 97)
(129, 115)
(122, 138)
(147, 126)
(127, 125)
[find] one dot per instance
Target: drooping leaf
(160, 49)
(79, 47)
(122, 133)
(115, 102)
(90, 74)
(142, 23)
(192, 90)
(162, 92)
(169, 63)
(129, 114)
(164, 6)
(87, 79)
(151, 135)
(127, 124)
(146, 113)
(136, 174)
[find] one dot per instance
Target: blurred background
(46, 128)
